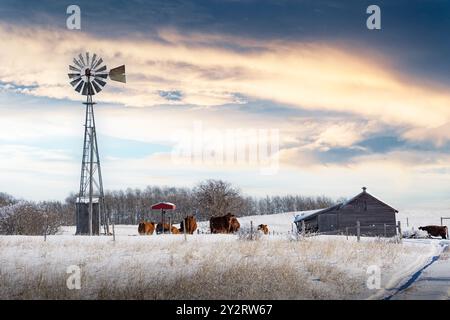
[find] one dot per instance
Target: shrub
(28, 218)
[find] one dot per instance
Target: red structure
(164, 206)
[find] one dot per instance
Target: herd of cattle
(224, 224)
(230, 224)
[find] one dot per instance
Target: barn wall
(328, 222)
(311, 225)
(372, 215)
(370, 212)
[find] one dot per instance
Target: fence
(442, 223)
(358, 230)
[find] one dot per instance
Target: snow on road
(431, 282)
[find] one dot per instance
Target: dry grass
(204, 267)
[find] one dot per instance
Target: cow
(224, 224)
(146, 228)
(190, 223)
(234, 225)
(263, 228)
(436, 231)
(220, 224)
(174, 230)
(167, 227)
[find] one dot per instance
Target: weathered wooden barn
(375, 217)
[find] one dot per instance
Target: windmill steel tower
(88, 77)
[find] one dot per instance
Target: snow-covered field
(207, 266)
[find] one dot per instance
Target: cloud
(314, 76)
(174, 95)
(338, 100)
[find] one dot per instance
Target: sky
(340, 106)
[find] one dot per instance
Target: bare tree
(217, 197)
(29, 218)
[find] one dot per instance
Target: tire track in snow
(415, 277)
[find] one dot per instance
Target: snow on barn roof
(301, 215)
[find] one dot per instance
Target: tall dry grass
(204, 267)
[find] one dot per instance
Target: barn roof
(340, 206)
(305, 214)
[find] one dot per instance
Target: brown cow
(174, 230)
(224, 224)
(263, 228)
(220, 224)
(191, 225)
(160, 229)
(436, 231)
(234, 225)
(146, 227)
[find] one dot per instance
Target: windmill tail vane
(88, 75)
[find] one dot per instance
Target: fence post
(170, 225)
(303, 228)
(407, 222)
(46, 227)
(114, 232)
(292, 227)
(399, 226)
(346, 232)
(251, 230)
(358, 231)
(385, 233)
(442, 223)
(184, 230)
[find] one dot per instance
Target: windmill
(88, 75)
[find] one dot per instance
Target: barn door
(327, 222)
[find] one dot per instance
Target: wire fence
(373, 230)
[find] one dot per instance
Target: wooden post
(251, 230)
(346, 232)
(385, 233)
(46, 227)
(114, 233)
(399, 226)
(303, 228)
(358, 231)
(407, 222)
(292, 228)
(184, 230)
(170, 225)
(442, 223)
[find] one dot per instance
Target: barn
(375, 217)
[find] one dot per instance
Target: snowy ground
(211, 266)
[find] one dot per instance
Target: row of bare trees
(207, 199)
